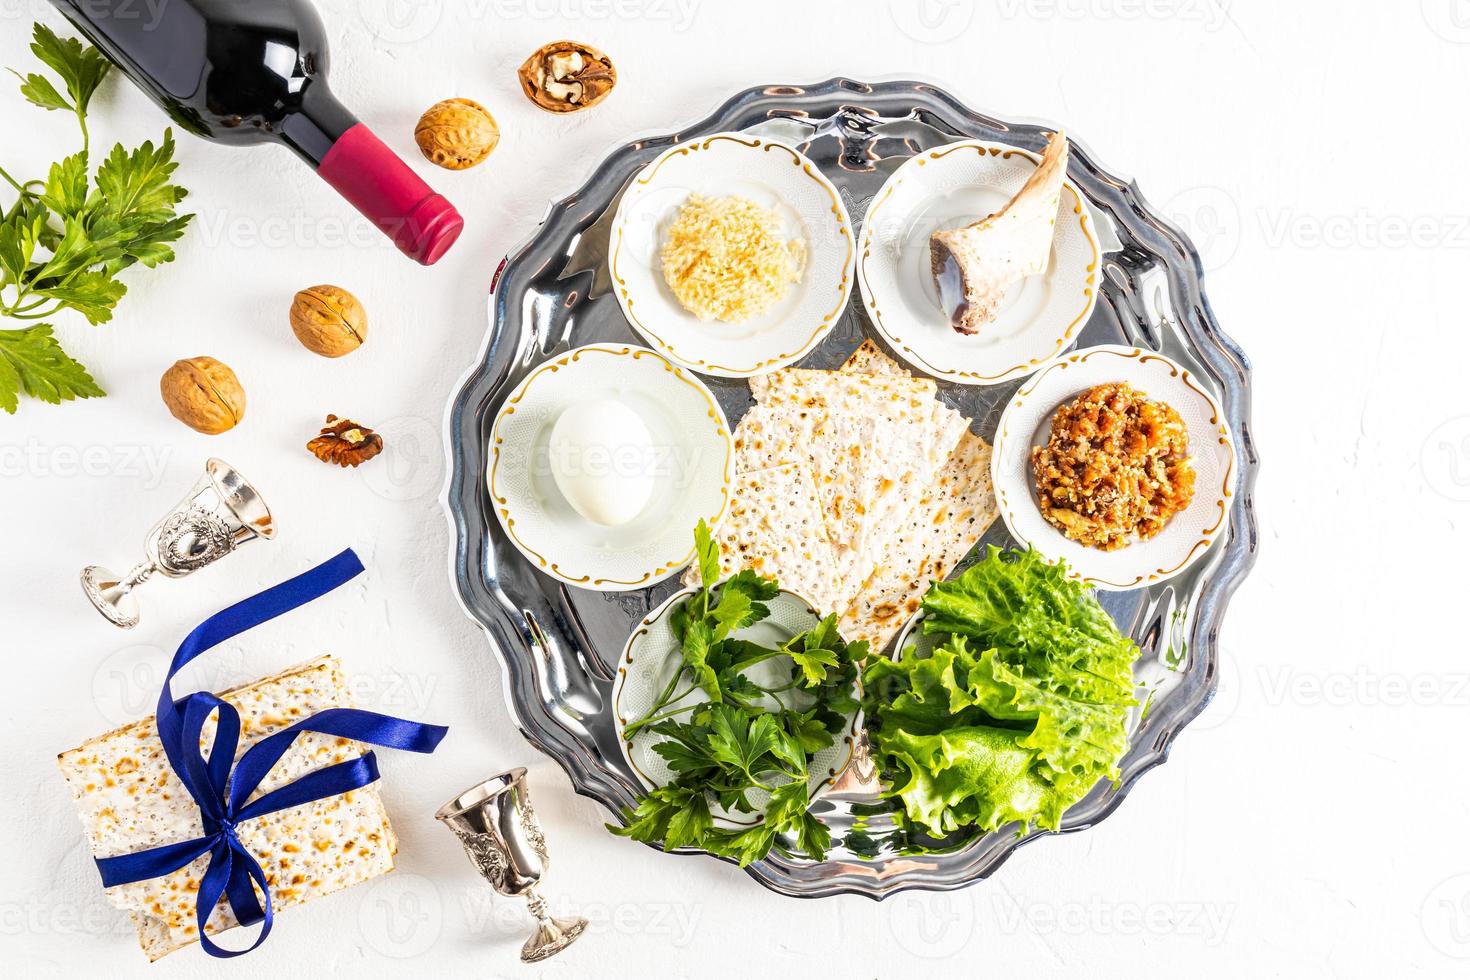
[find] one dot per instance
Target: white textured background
(1311, 823)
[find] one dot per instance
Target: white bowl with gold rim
(651, 658)
(1026, 423)
(952, 186)
(773, 175)
(691, 458)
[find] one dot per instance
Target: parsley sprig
(64, 239)
(744, 740)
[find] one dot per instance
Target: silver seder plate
(559, 645)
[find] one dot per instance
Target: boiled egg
(602, 460)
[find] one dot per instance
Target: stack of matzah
(130, 799)
(855, 488)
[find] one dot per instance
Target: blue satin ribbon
(221, 794)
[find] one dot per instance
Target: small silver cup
(222, 512)
(499, 830)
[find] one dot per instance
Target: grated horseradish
(724, 258)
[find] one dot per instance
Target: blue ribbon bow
(222, 795)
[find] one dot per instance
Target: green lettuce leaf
(1016, 713)
(1075, 740)
(968, 776)
(1053, 626)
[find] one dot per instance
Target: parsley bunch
(735, 744)
(65, 239)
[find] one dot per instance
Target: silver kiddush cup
(222, 512)
(499, 830)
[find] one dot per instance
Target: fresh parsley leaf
(148, 242)
(759, 589)
(816, 650)
(707, 553)
(679, 620)
(66, 185)
(690, 823)
(685, 747)
(823, 636)
(813, 837)
(809, 730)
(813, 662)
(738, 688)
(746, 743)
(70, 255)
(787, 748)
(734, 799)
(34, 227)
(92, 294)
(39, 91)
(33, 362)
(790, 813)
(15, 254)
(64, 241)
(788, 802)
(699, 638)
(681, 757)
(137, 184)
(738, 740)
(81, 67)
(734, 611)
(649, 820)
(736, 655)
(744, 847)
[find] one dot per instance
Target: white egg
(602, 460)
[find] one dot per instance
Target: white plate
(772, 175)
(1026, 423)
(650, 659)
(949, 187)
(693, 461)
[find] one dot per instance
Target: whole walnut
(456, 134)
(204, 394)
(328, 320)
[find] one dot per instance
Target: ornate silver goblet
(499, 830)
(222, 512)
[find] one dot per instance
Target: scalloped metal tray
(559, 645)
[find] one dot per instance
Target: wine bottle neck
(315, 128)
(372, 177)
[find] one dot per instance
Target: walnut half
(565, 76)
(344, 442)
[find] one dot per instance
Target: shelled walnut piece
(565, 76)
(1116, 467)
(344, 442)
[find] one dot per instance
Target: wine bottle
(255, 71)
